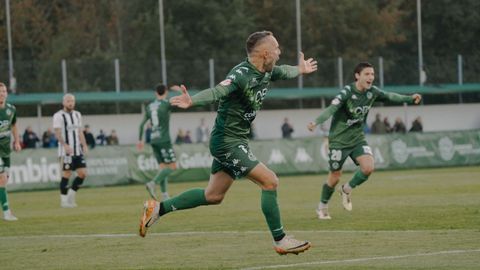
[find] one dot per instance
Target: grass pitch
(411, 219)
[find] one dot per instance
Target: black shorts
(72, 163)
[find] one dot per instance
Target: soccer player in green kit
(346, 139)
(240, 96)
(8, 127)
(158, 113)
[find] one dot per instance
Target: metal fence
(135, 74)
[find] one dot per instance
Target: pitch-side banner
(116, 165)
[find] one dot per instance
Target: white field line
(126, 235)
(366, 259)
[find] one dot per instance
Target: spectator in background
(287, 129)
(378, 127)
(148, 133)
(399, 126)
(417, 125)
(89, 137)
(48, 139)
(180, 136)
(188, 137)
(30, 139)
(203, 132)
(101, 138)
(388, 127)
(112, 139)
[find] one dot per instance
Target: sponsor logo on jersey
(369, 95)
(4, 123)
(250, 115)
(226, 82)
(8, 112)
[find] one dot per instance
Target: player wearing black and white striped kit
(71, 149)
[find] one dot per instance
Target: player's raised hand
(183, 101)
(311, 126)
(306, 66)
(417, 98)
(175, 88)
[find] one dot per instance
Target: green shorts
(237, 161)
(337, 156)
(164, 153)
(4, 164)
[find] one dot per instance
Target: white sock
(322, 205)
(347, 188)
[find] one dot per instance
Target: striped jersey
(70, 124)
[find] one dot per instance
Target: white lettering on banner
(197, 160)
(31, 172)
(378, 156)
(302, 156)
(448, 149)
(401, 151)
(147, 163)
(105, 166)
(276, 157)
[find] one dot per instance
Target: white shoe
(290, 245)
(64, 203)
(71, 197)
(346, 200)
(322, 213)
(151, 189)
(8, 216)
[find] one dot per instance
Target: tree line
(89, 34)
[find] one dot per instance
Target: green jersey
(8, 117)
(240, 96)
(158, 112)
(350, 109)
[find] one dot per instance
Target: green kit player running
(240, 96)
(8, 127)
(346, 139)
(158, 113)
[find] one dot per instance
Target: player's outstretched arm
(183, 101)
(306, 66)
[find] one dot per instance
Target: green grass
(410, 219)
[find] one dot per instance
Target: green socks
(357, 179)
(272, 213)
(3, 198)
(188, 199)
(327, 192)
(161, 178)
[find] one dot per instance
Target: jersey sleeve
(394, 97)
(284, 72)
(57, 121)
(336, 104)
(235, 81)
